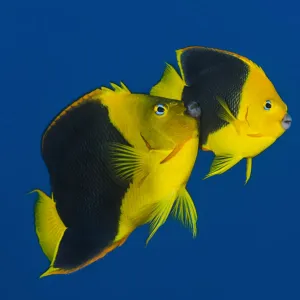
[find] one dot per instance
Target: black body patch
(88, 198)
(209, 73)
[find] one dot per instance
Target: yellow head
(262, 107)
(165, 123)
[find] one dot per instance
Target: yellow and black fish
(116, 161)
(241, 111)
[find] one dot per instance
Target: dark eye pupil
(268, 105)
(160, 109)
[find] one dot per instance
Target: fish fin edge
(170, 85)
(118, 89)
(221, 164)
(248, 169)
(159, 215)
(185, 211)
(48, 225)
(128, 163)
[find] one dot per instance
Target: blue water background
(51, 52)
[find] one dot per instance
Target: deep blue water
(51, 52)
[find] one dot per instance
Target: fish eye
(160, 109)
(268, 105)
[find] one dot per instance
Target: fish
(242, 113)
(116, 161)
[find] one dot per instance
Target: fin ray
(127, 162)
(122, 88)
(185, 211)
(159, 215)
(222, 164)
(226, 115)
(225, 112)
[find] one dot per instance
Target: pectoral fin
(226, 115)
(184, 210)
(170, 85)
(129, 163)
(222, 164)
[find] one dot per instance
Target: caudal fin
(48, 225)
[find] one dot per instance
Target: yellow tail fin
(48, 225)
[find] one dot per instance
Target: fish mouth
(286, 122)
(193, 109)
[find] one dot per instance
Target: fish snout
(286, 121)
(193, 109)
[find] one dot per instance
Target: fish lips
(286, 122)
(193, 109)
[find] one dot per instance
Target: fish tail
(48, 225)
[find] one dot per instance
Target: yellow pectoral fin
(226, 115)
(248, 169)
(128, 163)
(159, 215)
(170, 85)
(222, 164)
(184, 210)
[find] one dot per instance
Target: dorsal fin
(116, 88)
(170, 84)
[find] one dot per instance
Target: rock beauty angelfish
(116, 161)
(241, 111)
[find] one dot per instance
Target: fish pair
(118, 160)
